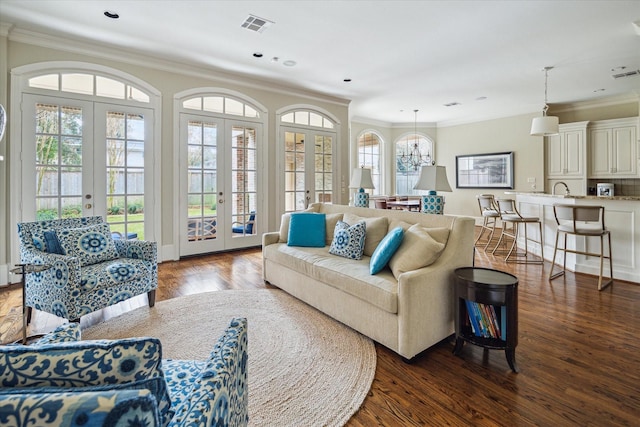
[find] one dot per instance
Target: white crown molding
(104, 51)
(596, 103)
(5, 29)
(370, 122)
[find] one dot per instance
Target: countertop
(570, 196)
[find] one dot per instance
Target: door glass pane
(323, 169)
(294, 171)
(201, 175)
(244, 181)
(125, 173)
(58, 142)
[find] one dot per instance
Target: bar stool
(490, 216)
(509, 215)
(587, 221)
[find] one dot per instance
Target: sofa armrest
(220, 395)
(138, 249)
(425, 296)
(270, 238)
(125, 407)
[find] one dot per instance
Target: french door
(308, 168)
(84, 158)
(218, 185)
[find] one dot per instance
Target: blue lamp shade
(432, 179)
(361, 179)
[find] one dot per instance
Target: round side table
(487, 310)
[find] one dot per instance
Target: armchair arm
(58, 285)
(139, 249)
(220, 396)
(124, 407)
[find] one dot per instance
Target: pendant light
(545, 125)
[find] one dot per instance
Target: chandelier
(414, 159)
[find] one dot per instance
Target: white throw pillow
(376, 230)
(420, 247)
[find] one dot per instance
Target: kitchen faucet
(566, 188)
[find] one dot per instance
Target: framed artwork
(492, 170)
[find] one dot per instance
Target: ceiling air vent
(254, 23)
(626, 74)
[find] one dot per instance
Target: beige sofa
(408, 314)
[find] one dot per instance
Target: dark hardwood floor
(578, 351)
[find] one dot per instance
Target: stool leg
(541, 242)
(490, 238)
(482, 227)
(515, 240)
(553, 260)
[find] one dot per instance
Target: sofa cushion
(348, 240)
(130, 363)
(90, 245)
(376, 230)
(420, 247)
(307, 229)
(348, 275)
(385, 250)
(332, 220)
(102, 408)
(112, 273)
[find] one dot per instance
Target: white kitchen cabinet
(566, 153)
(613, 148)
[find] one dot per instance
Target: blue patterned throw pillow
(91, 245)
(348, 240)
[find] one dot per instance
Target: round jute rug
(305, 369)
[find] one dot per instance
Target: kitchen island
(622, 218)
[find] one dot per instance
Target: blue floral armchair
(89, 269)
(60, 381)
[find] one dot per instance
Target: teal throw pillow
(307, 229)
(385, 250)
(348, 240)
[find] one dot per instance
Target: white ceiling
(400, 55)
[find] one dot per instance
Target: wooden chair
(380, 203)
(587, 221)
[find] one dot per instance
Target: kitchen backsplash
(622, 187)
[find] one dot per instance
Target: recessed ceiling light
(112, 15)
(346, 80)
(289, 63)
(481, 98)
(452, 104)
(616, 69)
(257, 55)
(275, 59)
(599, 90)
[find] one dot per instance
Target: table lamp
(432, 179)
(361, 179)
